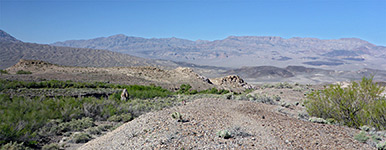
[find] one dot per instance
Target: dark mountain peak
(5, 37)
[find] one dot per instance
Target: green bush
(14, 146)
(177, 116)
(80, 137)
(94, 131)
(185, 89)
(105, 127)
(3, 71)
(52, 146)
(381, 146)
(23, 72)
(283, 85)
(224, 134)
(76, 125)
(31, 119)
(361, 137)
(357, 105)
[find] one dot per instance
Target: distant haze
(238, 51)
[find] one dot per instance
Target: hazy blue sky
(47, 21)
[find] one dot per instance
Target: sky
(48, 21)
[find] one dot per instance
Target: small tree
(358, 104)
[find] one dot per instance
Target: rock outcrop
(232, 82)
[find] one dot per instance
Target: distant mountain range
(292, 67)
(12, 50)
(238, 51)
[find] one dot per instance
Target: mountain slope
(5, 37)
(238, 51)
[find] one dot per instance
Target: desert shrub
(285, 104)
(268, 86)
(184, 88)
(358, 104)
(298, 89)
(277, 97)
(121, 118)
(224, 134)
(23, 72)
(94, 131)
(317, 120)
(365, 128)
(284, 85)
(105, 127)
(376, 138)
(52, 146)
(381, 146)
(3, 71)
(76, 125)
(14, 146)
(331, 121)
(361, 137)
(80, 137)
(177, 116)
(116, 125)
(265, 99)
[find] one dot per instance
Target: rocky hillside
(170, 79)
(237, 51)
(252, 126)
(12, 50)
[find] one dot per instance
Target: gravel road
(252, 125)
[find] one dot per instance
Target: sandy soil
(252, 125)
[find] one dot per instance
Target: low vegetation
(361, 137)
(31, 121)
(3, 71)
(186, 89)
(224, 134)
(177, 116)
(23, 72)
(359, 104)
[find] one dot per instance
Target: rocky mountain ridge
(141, 75)
(238, 51)
(12, 50)
(5, 37)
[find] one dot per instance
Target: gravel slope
(253, 126)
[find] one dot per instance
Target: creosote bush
(224, 134)
(359, 104)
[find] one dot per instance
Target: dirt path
(253, 126)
